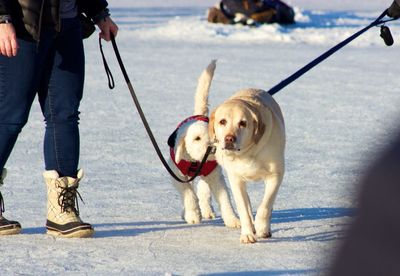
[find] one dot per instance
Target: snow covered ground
(338, 116)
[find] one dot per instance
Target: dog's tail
(203, 87)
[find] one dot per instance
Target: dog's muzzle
(230, 147)
(229, 142)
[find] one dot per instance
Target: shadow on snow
(106, 230)
(293, 215)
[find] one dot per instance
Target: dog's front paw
(263, 231)
(248, 238)
(192, 216)
(232, 222)
(263, 226)
(207, 213)
(264, 234)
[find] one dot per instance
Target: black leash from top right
(331, 51)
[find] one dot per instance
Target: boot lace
(1, 204)
(68, 199)
(2, 209)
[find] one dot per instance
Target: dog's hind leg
(191, 211)
(204, 195)
(264, 212)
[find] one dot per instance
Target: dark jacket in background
(29, 16)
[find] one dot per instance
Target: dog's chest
(248, 169)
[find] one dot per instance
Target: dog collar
(188, 168)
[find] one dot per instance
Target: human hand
(8, 40)
(107, 27)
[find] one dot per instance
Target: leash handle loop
(110, 77)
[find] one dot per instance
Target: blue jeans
(54, 70)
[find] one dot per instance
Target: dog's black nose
(230, 139)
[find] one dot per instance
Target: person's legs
(18, 77)
(60, 93)
(17, 90)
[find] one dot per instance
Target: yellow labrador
(249, 134)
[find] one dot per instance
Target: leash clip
(213, 149)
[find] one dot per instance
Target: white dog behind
(188, 144)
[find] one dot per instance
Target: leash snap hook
(213, 149)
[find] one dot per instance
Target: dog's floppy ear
(172, 139)
(259, 125)
(211, 129)
(177, 141)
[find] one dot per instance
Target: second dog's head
(190, 139)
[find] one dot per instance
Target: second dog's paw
(232, 222)
(248, 238)
(192, 216)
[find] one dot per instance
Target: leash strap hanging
(110, 77)
(143, 117)
(324, 56)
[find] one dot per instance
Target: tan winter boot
(62, 207)
(7, 227)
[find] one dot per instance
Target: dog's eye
(222, 122)
(197, 138)
(242, 124)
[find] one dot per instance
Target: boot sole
(13, 231)
(75, 229)
(84, 233)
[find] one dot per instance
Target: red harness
(188, 168)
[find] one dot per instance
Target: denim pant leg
(60, 94)
(18, 78)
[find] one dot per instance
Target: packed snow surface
(338, 117)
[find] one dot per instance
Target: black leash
(142, 116)
(334, 49)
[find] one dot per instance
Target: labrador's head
(235, 125)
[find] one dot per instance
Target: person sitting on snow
(251, 12)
